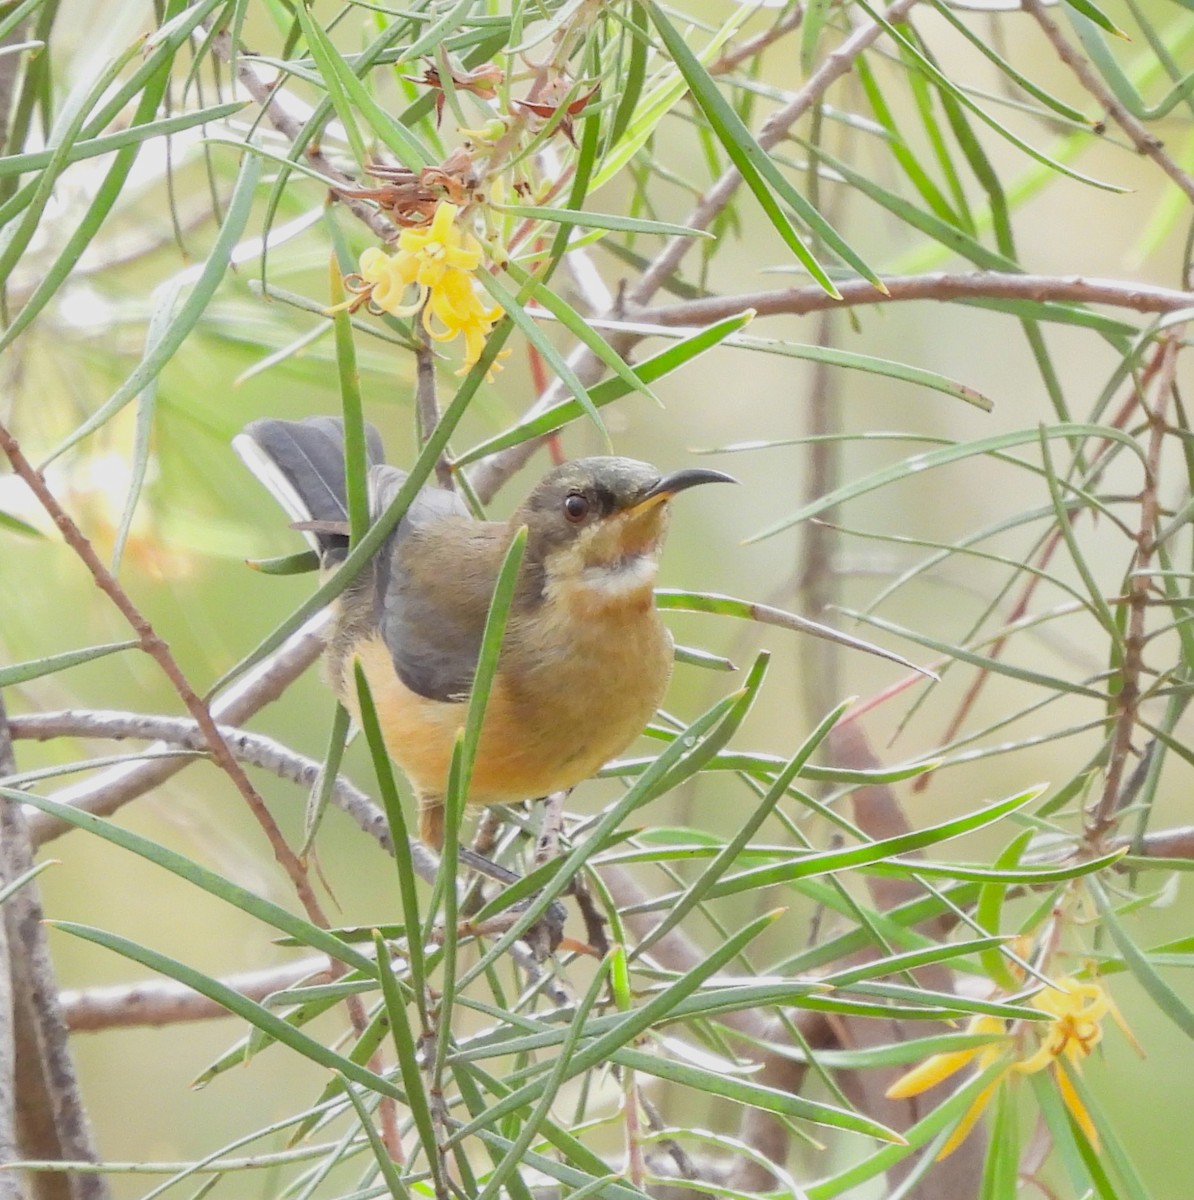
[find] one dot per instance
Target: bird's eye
(576, 507)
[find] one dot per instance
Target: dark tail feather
(301, 463)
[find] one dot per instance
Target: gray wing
(434, 580)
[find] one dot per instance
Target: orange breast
(569, 697)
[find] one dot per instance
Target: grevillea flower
(1077, 1010)
(439, 261)
(941, 1066)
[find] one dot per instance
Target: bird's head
(599, 523)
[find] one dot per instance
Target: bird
(585, 659)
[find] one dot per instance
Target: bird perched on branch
(585, 659)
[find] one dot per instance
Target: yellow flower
(1077, 1010)
(439, 261)
(941, 1066)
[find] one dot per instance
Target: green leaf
(753, 1095)
(209, 881)
(15, 885)
(1096, 15)
(851, 360)
(16, 525)
(826, 861)
(399, 835)
(1161, 994)
(406, 1047)
(594, 220)
(35, 668)
(175, 332)
(937, 458)
(755, 165)
(256, 1014)
(134, 136)
(746, 610)
(302, 563)
(610, 390)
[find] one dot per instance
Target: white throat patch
(622, 578)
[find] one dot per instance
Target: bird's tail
(301, 463)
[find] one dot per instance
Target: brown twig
(427, 403)
(1163, 843)
(753, 46)
(489, 476)
(1102, 814)
(166, 1002)
(252, 748)
(108, 791)
(969, 285)
(940, 286)
(160, 653)
(51, 1122)
(1145, 142)
(264, 93)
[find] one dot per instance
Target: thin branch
(166, 1002)
(1102, 815)
(1145, 142)
(252, 748)
(264, 92)
(157, 649)
(51, 1122)
(489, 475)
(110, 790)
(970, 285)
(10, 1186)
(1162, 843)
(427, 403)
(735, 56)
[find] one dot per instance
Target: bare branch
(157, 649)
(972, 285)
(493, 472)
(110, 790)
(252, 748)
(1164, 843)
(1145, 142)
(1101, 816)
(264, 92)
(51, 1122)
(167, 1002)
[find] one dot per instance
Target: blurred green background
(202, 516)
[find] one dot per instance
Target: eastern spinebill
(585, 659)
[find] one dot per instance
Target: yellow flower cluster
(439, 261)
(1077, 1010)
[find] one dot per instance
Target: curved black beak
(679, 481)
